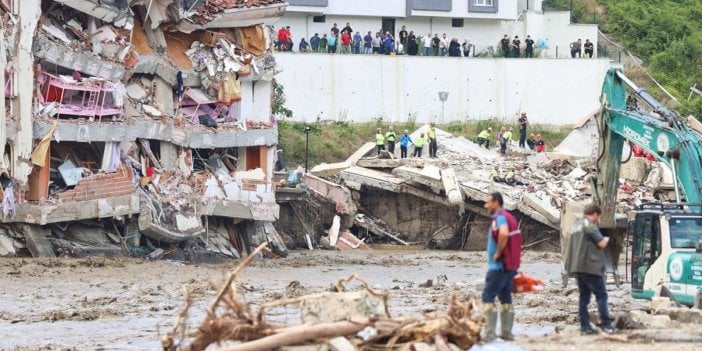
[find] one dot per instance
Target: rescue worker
(495, 176)
(484, 138)
(523, 123)
(379, 140)
(540, 144)
(390, 136)
(503, 256)
(531, 142)
(418, 145)
(501, 138)
(585, 260)
(405, 140)
(433, 145)
(511, 179)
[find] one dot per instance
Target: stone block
(7, 247)
(341, 344)
(634, 170)
(682, 314)
(37, 239)
(341, 306)
(643, 320)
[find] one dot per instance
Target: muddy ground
(126, 304)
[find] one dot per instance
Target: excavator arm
(661, 132)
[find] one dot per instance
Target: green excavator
(667, 237)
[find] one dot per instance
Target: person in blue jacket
(388, 44)
(405, 141)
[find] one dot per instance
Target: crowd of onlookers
(347, 41)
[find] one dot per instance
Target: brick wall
(100, 186)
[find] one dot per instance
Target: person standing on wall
(356, 43)
(405, 140)
(314, 42)
(589, 48)
(333, 40)
(334, 29)
(412, 45)
(523, 123)
(529, 50)
(576, 49)
(403, 40)
(504, 255)
(390, 136)
(504, 44)
(443, 45)
(323, 43)
(585, 260)
(347, 29)
(435, 43)
(388, 44)
(516, 47)
(345, 42)
(418, 145)
(467, 47)
(433, 145)
(368, 43)
(379, 140)
(426, 44)
(376, 43)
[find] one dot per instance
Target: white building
(483, 22)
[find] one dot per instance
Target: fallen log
(300, 334)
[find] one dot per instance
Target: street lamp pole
(308, 129)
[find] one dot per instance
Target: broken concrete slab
(643, 320)
(681, 314)
(634, 170)
(537, 159)
(329, 169)
(7, 246)
(136, 91)
(551, 213)
(362, 152)
(331, 307)
(451, 186)
(38, 240)
(120, 17)
(394, 163)
(63, 56)
(332, 191)
(429, 176)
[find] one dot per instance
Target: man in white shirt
(427, 44)
(443, 46)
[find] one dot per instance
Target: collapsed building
(139, 127)
(438, 202)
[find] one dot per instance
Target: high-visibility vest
(390, 136)
(484, 134)
(510, 175)
(419, 142)
(507, 135)
(431, 133)
(379, 139)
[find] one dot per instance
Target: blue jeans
(426, 51)
(367, 51)
(588, 285)
(499, 284)
(355, 49)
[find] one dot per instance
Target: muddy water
(126, 304)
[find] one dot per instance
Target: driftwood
(228, 319)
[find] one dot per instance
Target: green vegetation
(334, 142)
(665, 34)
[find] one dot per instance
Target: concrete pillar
(3, 118)
(242, 159)
(164, 95)
(29, 13)
(169, 155)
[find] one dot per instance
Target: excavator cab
(661, 232)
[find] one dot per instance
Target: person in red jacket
(504, 255)
(345, 42)
(282, 38)
(540, 145)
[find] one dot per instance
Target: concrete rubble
(154, 122)
(438, 202)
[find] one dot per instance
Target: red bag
(524, 283)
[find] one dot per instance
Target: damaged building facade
(140, 127)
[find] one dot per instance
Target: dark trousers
(433, 146)
(417, 152)
(503, 147)
(482, 141)
(522, 137)
(589, 53)
(529, 53)
(381, 148)
(516, 52)
(403, 151)
(498, 284)
(588, 285)
(506, 51)
(391, 146)
(575, 52)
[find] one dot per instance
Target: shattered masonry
(148, 121)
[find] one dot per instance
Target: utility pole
(308, 129)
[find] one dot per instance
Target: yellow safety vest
(420, 142)
(390, 136)
(431, 133)
(510, 175)
(379, 139)
(484, 134)
(507, 135)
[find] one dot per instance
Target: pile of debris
(337, 320)
(434, 201)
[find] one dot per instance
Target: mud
(126, 304)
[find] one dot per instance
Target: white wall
(255, 102)
(379, 8)
(361, 88)
(507, 9)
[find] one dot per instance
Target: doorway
(388, 25)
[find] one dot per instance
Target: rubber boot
(506, 321)
(491, 324)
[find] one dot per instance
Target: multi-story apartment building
(136, 125)
(482, 22)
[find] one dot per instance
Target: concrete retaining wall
(361, 88)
